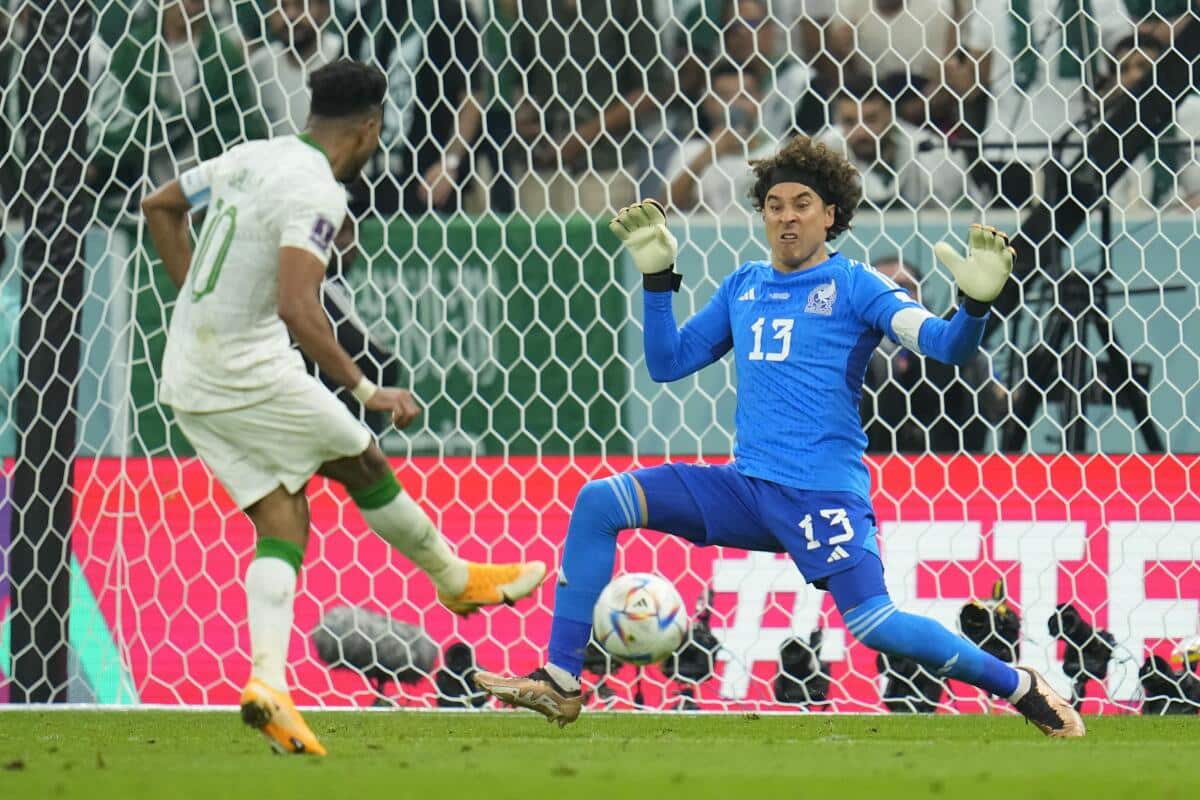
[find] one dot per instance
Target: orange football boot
(493, 584)
(273, 713)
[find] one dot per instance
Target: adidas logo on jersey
(748, 295)
(837, 555)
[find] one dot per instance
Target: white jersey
(227, 346)
(1049, 104)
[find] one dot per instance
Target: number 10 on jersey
(215, 240)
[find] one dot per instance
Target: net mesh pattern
(1051, 482)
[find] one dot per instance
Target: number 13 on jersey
(783, 332)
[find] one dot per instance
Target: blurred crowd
(567, 106)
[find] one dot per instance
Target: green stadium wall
(519, 332)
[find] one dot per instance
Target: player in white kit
(240, 392)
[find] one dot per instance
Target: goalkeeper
(802, 327)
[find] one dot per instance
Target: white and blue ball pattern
(639, 618)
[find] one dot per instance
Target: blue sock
(877, 624)
(602, 509)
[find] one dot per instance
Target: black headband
(794, 175)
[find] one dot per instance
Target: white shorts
(281, 441)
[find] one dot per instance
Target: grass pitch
(491, 756)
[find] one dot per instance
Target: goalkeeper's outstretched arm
(671, 352)
(980, 275)
(954, 341)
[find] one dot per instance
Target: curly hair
(839, 182)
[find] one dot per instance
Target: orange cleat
(272, 713)
(493, 584)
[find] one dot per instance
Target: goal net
(1041, 500)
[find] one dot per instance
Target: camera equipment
(1166, 690)
(455, 681)
(596, 659)
(1088, 649)
(381, 648)
(694, 661)
(993, 625)
(598, 662)
(803, 677)
(910, 688)
(1063, 367)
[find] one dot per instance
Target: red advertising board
(164, 550)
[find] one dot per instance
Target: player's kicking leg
(462, 586)
(281, 522)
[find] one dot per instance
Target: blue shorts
(824, 532)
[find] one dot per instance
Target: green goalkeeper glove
(642, 228)
(981, 275)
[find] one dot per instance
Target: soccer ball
(639, 618)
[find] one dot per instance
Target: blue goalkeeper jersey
(801, 342)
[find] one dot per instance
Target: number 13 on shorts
(835, 529)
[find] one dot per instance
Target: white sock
(270, 592)
(1024, 684)
(402, 524)
(564, 679)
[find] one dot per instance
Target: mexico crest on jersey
(821, 299)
